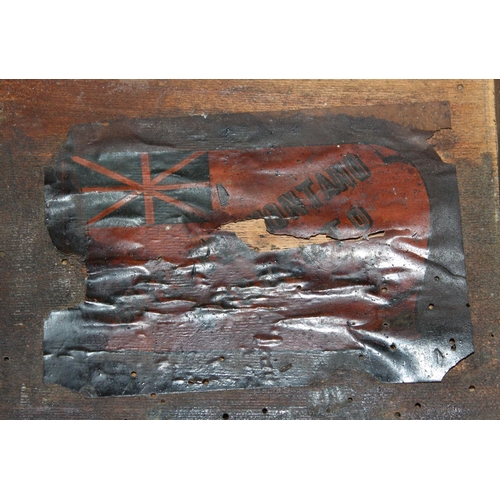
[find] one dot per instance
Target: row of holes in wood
(265, 411)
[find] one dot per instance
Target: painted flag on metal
(248, 251)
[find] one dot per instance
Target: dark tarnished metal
(175, 302)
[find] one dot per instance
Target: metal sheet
(366, 269)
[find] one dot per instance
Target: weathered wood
(497, 112)
(35, 117)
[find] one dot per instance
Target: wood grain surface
(35, 117)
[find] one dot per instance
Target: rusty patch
(311, 242)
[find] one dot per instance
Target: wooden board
(35, 117)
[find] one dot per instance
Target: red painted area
(204, 294)
(393, 195)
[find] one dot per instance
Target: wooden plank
(35, 117)
(497, 112)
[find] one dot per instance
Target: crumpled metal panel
(181, 296)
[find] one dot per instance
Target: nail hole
(190, 381)
(152, 395)
(205, 382)
(133, 374)
(418, 405)
(298, 288)
(6, 358)
(264, 411)
(385, 325)
(460, 87)
(360, 356)
(328, 410)
(64, 262)
(467, 305)
(392, 347)
(397, 414)
(222, 358)
(436, 278)
(350, 400)
(431, 306)
(162, 401)
(472, 388)
(453, 345)
(383, 289)
(225, 416)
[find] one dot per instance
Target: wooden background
(35, 278)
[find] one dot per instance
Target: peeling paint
(287, 255)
